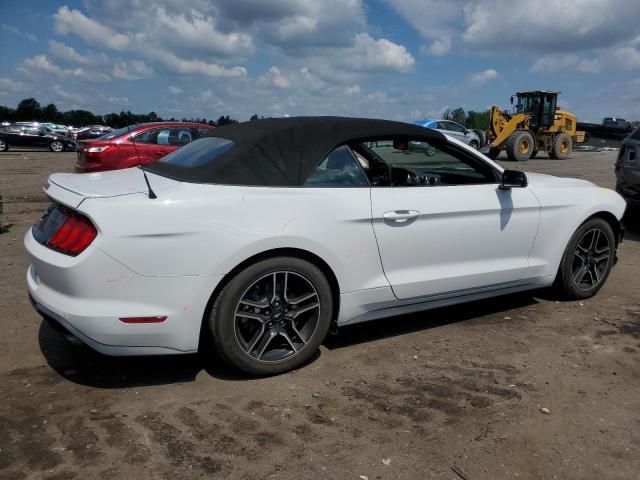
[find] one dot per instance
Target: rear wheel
(562, 147)
(272, 316)
(520, 145)
(473, 144)
(3, 146)
(587, 260)
(481, 135)
(56, 146)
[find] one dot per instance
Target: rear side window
(338, 169)
(198, 152)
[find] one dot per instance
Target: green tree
(225, 120)
(28, 109)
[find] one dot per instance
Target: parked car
(94, 131)
(628, 169)
(266, 233)
(34, 136)
(54, 127)
(610, 127)
(136, 145)
(457, 131)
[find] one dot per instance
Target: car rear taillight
(64, 230)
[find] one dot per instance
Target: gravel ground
(406, 398)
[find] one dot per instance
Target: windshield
(198, 152)
(118, 132)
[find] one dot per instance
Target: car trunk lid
(72, 188)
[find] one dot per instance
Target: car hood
(549, 181)
(108, 184)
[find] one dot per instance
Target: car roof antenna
(151, 193)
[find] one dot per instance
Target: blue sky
(399, 59)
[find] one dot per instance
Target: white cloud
(13, 86)
(187, 66)
(483, 77)
(440, 47)
(74, 21)
(134, 70)
(34, 67)
(277, 79)
(20, 33)
(175, 90)
(197, 32)
(67, 54)
(368, 53)
(352, 90)
(503, 26)
(566, 63)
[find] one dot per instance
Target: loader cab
(539, 106)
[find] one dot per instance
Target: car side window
(454, 127)
(143, 137)
(338, 169)
(415, 162)
(180, 136)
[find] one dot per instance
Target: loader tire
(520, 146)
(562, 147)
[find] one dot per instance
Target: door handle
(400, 216)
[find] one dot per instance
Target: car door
(161, 142)
(456, 131)
(455, 231)
(30, 137)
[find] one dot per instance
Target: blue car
(452, 129)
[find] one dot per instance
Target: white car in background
(269, 232)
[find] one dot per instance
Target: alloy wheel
(276, 316)
(591, 259)
(57, 146)
(3, 146)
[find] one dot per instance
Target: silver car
(453, 129)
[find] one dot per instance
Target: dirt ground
(405, 398)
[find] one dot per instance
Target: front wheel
(473, 144)
(587, 260)
(56, 146)
(272, 316)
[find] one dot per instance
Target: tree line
(30, 110)
(470, 119)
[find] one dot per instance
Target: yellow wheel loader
(536, 125)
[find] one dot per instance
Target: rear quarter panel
(208, 229)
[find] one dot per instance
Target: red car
(136, 145)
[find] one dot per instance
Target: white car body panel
(463, 237)
(165, 257)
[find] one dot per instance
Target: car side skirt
(351, 315)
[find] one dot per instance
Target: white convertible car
(270, 232)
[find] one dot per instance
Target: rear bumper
(87, 295)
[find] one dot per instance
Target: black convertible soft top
(285, 151)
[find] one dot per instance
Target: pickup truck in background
(611, 128)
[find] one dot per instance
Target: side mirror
(513, 179)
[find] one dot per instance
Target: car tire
(562, 147)
(520, 145)
(56, 146)
(585, 265)
(4, 146)
(481, 135)
(255, 331)
(474, 144)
